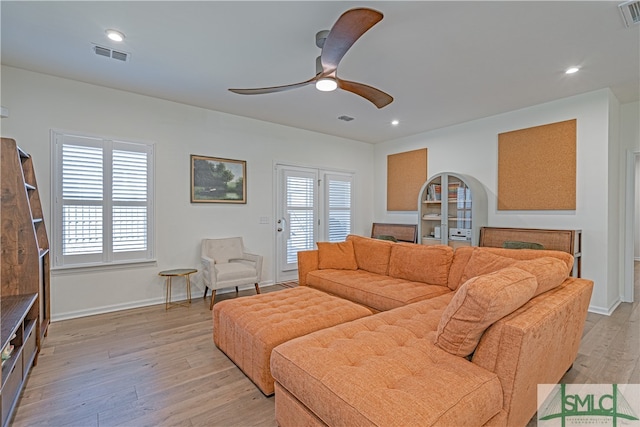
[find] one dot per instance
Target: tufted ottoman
(247, 329)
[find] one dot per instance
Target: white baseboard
(603, 310)
(109, 309)
(196, 292)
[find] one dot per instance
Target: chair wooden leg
(236, 290)
(213, 297)
(257, 289)
(206, 288)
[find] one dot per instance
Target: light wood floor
(151, 367)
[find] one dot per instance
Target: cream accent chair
(225, 264)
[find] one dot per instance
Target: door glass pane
(300, 215)
(339, 195)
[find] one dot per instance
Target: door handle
(283, 223)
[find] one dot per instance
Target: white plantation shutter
(338, 202)
(130, 196)
(82, 198)
(300, 213)
(102, 208)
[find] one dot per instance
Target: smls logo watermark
(588, 405)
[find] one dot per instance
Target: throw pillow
(339, 256)
(509, 244)
(483, 262)
(549, 272)
(479, 303)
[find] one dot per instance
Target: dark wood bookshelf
(25, 276)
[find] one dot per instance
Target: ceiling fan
(334, 44)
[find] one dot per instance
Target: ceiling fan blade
(376, 96)
(348, 28)
(273, 89)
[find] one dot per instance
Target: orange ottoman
(247, 329)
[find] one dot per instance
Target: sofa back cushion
(549, 272)
(483, 262)
(479, 303)
(372, 255)
(419, 263)
(339, 256)
(469, 262)
(461, 257)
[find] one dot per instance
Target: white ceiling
(443, 62)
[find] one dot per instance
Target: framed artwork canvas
(216, 180)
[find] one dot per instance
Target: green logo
(590, 404)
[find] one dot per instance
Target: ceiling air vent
(108, 53)
(345, 118)
(630, 12)
(119, 55)
(102, 51)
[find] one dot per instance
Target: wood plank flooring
(151, 367)
(141, 367)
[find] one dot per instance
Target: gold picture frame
(217, 180)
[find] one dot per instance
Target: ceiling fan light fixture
(326, 84)
(114, 35)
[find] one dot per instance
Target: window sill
(85, 268)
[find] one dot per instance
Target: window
(102, 201)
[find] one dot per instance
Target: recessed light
(395, 122)
(572, 70)
(114, 35)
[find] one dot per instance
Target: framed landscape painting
(215, 180)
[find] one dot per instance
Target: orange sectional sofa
(461, 338)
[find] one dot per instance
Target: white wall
(40, 102)
(630, 140)
(636, 215)
(615, 197)
(471, 148)
(630, 194)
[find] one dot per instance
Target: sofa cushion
(339, 256)
(385, 370)
(461, 257)
(372, 290)
(372, 255)
(479, 303)
(549, 272)
(483, 262)
(419, 263)
(469, 262)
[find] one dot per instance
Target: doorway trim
(626, 293)
(322, 173)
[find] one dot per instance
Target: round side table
(177, 272)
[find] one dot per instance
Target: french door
(312, 205)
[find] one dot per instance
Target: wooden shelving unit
(452, 208)
(24, 274)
